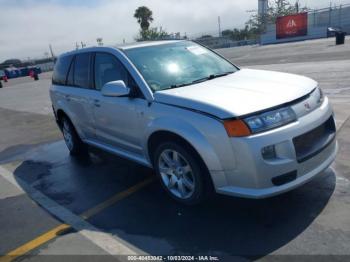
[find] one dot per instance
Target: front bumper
(253, 175)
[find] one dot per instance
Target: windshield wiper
(220, 75)
(202, 79)
(179, 85)
(210, 77)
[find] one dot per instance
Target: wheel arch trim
(187, 132)
(59, 111)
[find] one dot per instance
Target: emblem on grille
(307, 106)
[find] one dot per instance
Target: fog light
(268, 152)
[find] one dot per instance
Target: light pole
(99, 41)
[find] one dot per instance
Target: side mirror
(115, 88)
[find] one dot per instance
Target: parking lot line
(51, 234)
(97, 209)
(112, 245)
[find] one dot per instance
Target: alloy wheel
(176, 174)
(67, 135)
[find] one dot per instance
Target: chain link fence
(319, 20)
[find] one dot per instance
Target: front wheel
(180, 173)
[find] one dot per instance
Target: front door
(116, 118)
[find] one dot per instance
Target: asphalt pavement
(100, 206)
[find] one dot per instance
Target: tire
(72, 139)
(181, 173)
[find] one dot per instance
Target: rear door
(80, 93)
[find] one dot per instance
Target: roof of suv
(146, 43)
(122, 47)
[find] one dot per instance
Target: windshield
(177, 64)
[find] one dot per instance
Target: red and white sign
(291, 25)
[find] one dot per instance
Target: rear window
(61, 69)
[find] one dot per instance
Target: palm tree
(144, 17)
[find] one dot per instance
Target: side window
(82, 70)
(61, 69)
(107, 69)
(135, 90)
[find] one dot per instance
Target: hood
(243, 92)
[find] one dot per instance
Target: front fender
(188, 132)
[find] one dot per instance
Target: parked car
(2, 75)
(12, 72)
(331, 31)
(200, 121)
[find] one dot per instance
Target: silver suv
(202, 123)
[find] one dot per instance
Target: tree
(152, 34)
(206, 36)
(144, 17)
(240, 34)
(281, 8)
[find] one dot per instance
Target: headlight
(271, 119)
(320, 97)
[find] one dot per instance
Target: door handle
(97, 103)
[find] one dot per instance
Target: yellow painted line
(34, 243)
(53, 233)
(97, 209)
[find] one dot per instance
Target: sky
(27, 27)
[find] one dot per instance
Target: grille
(313, 142)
